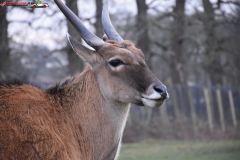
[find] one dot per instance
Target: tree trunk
(75, 63)
(143, 39)
(212, 65)
(236, 57)
(98, 23)
(177, 61)
(5, 62)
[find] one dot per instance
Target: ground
(182, 150)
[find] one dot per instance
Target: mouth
(152, 102)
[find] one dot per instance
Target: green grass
(181, 150)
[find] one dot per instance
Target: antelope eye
(116, 62)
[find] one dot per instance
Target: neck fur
(100, 121)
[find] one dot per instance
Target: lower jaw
(152, 103)
(158, 103)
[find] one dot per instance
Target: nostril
(161, 89)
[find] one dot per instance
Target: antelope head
(119, 66)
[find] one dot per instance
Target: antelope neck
(102, 119)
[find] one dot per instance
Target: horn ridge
(107, 25)
(90, 38)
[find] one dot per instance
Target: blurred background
(192, 46)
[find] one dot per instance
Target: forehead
(125, 50)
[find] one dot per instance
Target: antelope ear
(85, 53)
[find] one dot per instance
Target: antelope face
(126, 77)
(119, 66)
(122, 73)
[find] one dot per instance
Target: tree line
(197, 48)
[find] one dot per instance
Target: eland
(83, 117)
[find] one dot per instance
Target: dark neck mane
(59, 87)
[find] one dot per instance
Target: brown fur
(126, 44)
(81, 118)
(37, 125)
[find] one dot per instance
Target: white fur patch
(121, 132)
(149, 102)
(118, 150)
(154, 95)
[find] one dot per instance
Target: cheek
(126, 85)
(116, 89)
(108, 84)
(127, 94)
(131, 79)
(138, 79)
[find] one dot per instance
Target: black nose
(162, 90)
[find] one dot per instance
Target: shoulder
(18, 90)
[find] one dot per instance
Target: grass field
(181, 150)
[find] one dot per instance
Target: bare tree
(233, 50)
(212, 63)
(98, 23)
(75, 63)
(5, 63)
(143, 39)
(177, 38)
